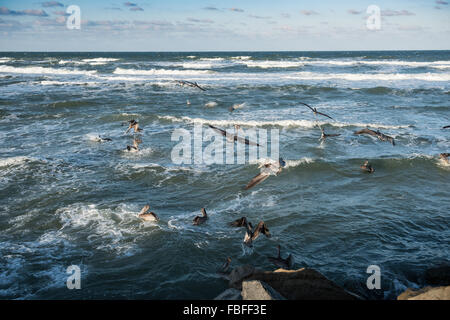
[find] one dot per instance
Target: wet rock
(301, 284)
(427, 293)
(258, 290)
(439, 276)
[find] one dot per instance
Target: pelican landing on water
(267, 170)
(133, 124)
(198, 220)
(250, 233)
(147, 216)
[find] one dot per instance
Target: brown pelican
(100, 139)
(189, 83)
(200, 219)
(315, 111)
(377, 134)
(147, 216)
(133, 124)
(236, 106)
(366, 166)
(324, 135)
(250, 233)
(225, 267)
(267, 170)
(233, 137)
(135, 146)
(280, 262)
(444, 156)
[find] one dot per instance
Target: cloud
(133, 6)
(60, 13)
(391, 13)
(285, 15)
(442, 2)
(353, 11)
(28, 12)
(49, 4)
(211, 8)
(200, 20)
(308, 12)
(236, 10)
(257, 17)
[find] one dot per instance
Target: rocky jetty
(301, 284)
(427, 293)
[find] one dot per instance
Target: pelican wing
(312, 109)
(246, 141)
(256, 180)
(324, 115)
(239, 222)
(221, 131)
(366, 131)
(145, 209)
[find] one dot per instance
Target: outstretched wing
(246, 141)
(388, 138)
(221, 131)
(325, 115)
(145, 209)
(256, 180)
(308, 106)
(366, 131)
(239, 222)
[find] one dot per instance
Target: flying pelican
(250, 233)
(267, 170)
(133, 124)
(200, 219)
(377, 134)
(147, 216)
(366, 166)
(315, 111)
(189, 83)
(234, 137)
(446, 127)
(280, 262)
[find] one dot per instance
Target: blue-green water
(66, 199)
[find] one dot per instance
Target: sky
(244, 25)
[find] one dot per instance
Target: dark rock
(301, 284)
(439, 276)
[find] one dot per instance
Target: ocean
(67, 199)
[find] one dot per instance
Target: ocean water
(66, 199)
